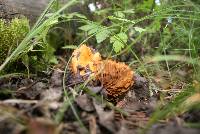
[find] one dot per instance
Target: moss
(11, 34)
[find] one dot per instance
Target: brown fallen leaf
(41, 126)
(54, 93)
(106, 118)
(85, 103)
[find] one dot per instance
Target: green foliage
(48, 54)
(11, 34)
(146, 5)
(100, 32)
(118, 41)
(38, 32)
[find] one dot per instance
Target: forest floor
(36, 105)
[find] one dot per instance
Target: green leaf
(118, 41)
(139, 29)
(119, 14)
(49, 54)
(93, 30)
(90, 28)
(100, 32)
(117, 46)
(123, 37)
(101, 36)
(86, 28)
(146, 5)
(53, 60)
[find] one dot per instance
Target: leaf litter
(34, 102)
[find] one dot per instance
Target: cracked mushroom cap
(115, 77)
(83, 60)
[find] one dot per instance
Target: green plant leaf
(49, 54)
(90, 28)
(85, 28)
(119, 14)
(94, 30)
(117, 46)
(100, 32)
(123, 37)
(101, 36)
(139, 29)
(118, 41)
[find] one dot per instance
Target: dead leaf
(85, 103)
(41, 126)
(106, 118)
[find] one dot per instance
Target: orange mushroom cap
(83, 59)
(115, 77)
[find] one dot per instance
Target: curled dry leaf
(54, 93)
(106, 118)
(85, 103)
